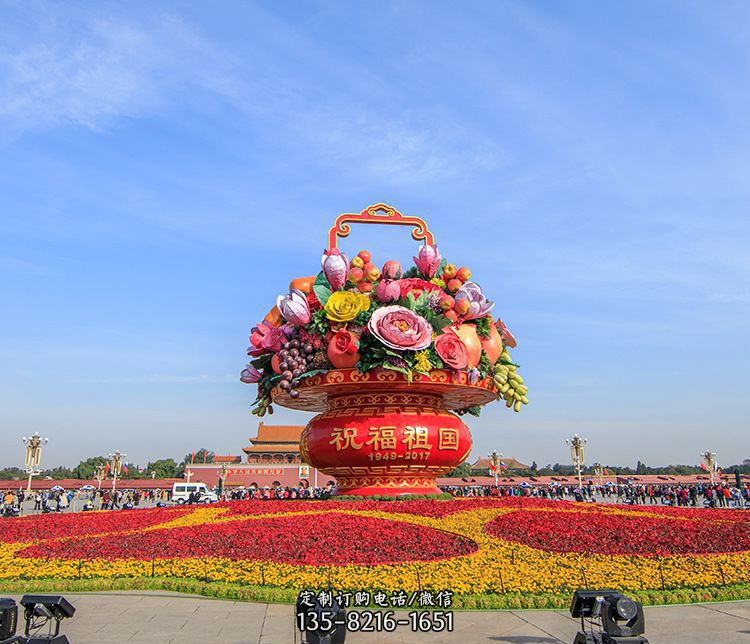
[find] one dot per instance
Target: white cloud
(106, 69)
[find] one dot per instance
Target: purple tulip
(250, 374)
(479, 306)
(428, 260)
(336, 268)
(294, 307)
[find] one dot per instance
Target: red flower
(452, 350)
(313, 301)
(416, 286)
(621, 534)
(329, 538)
(52, 526)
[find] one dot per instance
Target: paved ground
(167, 618)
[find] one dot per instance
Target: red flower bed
(618, 534)
(49, 526)
(714, 514)
(314, 540)
(425, 508)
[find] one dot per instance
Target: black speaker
(56, 604)
(8, 618)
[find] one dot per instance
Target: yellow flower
(344, 306)
(422, 361)
(438, 282)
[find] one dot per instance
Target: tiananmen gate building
(273, 458)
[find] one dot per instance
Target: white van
(181, 493)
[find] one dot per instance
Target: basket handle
(378, 214)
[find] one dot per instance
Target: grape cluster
(293, 359)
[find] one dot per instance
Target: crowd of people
(721, 495)
(278, 492)
(15, 502)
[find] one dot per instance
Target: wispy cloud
(400, 149)
(103, 70)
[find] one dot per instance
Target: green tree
(12, 474)
(462, 471)
(165, 468)
(59, 472)
(201, 456)
(85, 469)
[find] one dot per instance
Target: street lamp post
(495, 460)
(709, 461)
(599, 472)
(115, 466)
(223, 478)
(33, 456)
(100, 474)
(576, 454)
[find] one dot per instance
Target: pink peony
(265, 338)
(452, 350)
(399, 328)
(428, 260)
(335, 267)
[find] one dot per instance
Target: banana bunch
(509, 384)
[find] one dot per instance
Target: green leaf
(484, 366)
(406, 372)
(321, 280)
(322, 293)
(483, 327)
(437, 320)
(410, 301)
(312, 372)
(262, 362)
(363, 317)
(439, 273)
(474, 411)
(318, 324)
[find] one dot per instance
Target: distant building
(273, 458)
(511, 463)
(219, 458)
(275, 444)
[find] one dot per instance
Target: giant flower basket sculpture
(390, 358)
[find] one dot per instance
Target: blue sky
(166, 169)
